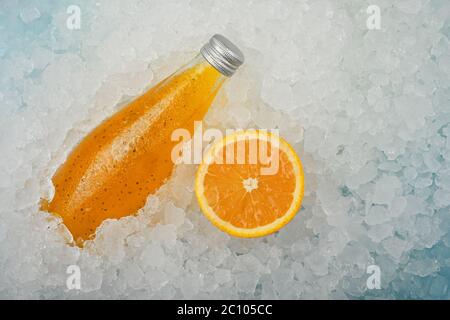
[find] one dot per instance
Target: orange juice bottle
(114, 168)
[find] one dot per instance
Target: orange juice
(127, 157)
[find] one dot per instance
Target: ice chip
(29, 14)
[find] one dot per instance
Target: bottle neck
(200, 60)
(209, 71)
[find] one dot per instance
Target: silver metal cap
(222, 54)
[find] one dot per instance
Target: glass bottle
(111, 172)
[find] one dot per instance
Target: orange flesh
(127, 157)
(230, 200)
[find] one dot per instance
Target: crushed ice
(367, 110)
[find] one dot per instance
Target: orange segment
(250, 184)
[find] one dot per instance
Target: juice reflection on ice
(127, 157)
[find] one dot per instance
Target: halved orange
(250, 183)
